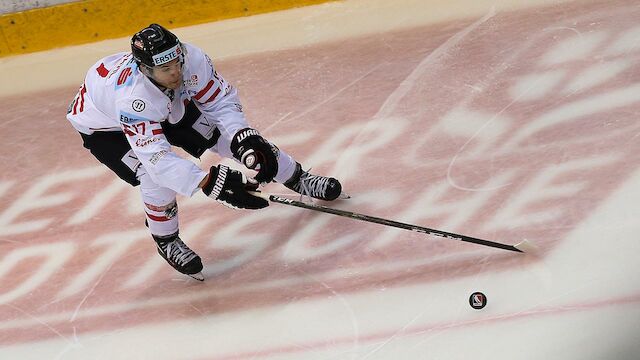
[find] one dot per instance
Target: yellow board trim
(94, 20)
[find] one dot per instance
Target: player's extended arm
(256, 153)
(232, 188)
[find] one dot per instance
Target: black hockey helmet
(155, 45)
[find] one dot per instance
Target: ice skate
(315, 186)
(179, 256)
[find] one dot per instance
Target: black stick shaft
(397, 224)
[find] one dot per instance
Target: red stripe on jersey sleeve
(157, 218)
(214, 95)
(82, 92)
(156, 131)
(203, 91)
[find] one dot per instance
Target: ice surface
(506, 124)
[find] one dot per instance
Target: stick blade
(526, 247)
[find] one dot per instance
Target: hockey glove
(230, 187)
(256, 153)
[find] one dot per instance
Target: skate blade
(344, 196)
(197, 276)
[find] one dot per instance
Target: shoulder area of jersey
(131, 83)
(192, 49)
(120, 69)
(135, 109)
(195, 58)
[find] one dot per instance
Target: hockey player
(133, 106)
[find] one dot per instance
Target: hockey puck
(477, 300)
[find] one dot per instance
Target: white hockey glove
(230, 187)
(256, 153)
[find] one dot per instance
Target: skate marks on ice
(505, 140)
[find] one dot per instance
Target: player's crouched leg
(179, 255)
(161, 210)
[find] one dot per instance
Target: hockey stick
(520, 247)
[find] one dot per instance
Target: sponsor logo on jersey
(168, 55)
(157, 156)
(145, 142)
(193, 81)
(130, 118)
(138, 105)
(122, 61)
(126, 75)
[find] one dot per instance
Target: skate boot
(315, 186)
(178, 255)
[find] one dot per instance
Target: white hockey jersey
(116, 96)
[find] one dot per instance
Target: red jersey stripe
(214, 95)
(157, 218)
(204, 91)
(156, 131)
(82, 92)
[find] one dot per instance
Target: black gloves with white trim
(230, 187)
(256, 153)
